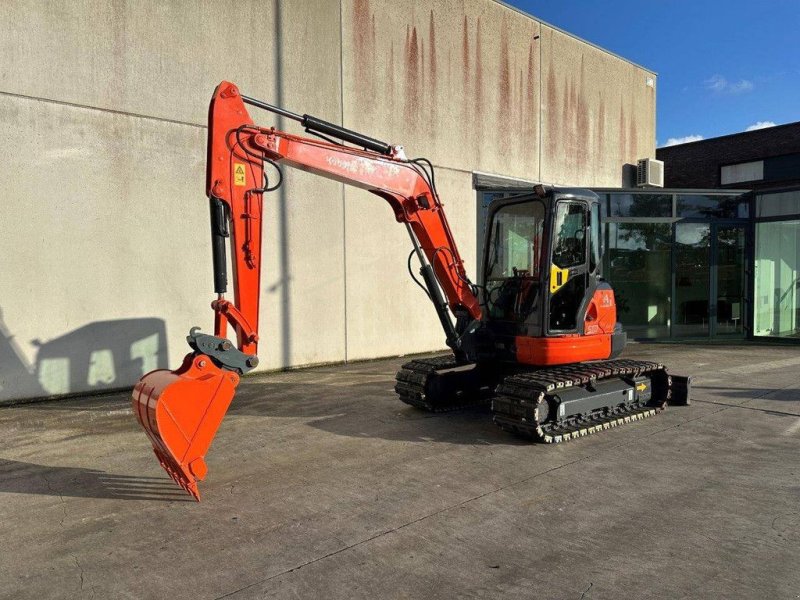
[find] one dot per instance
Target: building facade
(105, 244)
(766, 161)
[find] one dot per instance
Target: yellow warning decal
(641, 387)
(239, 177)
(558, 277)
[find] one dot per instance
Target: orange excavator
(537, 339)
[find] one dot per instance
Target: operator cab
(542, 266)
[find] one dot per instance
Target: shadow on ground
(29, 478)
(367, 410)
(358, 410)
(779, 394)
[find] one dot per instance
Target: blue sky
(722, 66)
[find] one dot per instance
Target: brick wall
(697, 164)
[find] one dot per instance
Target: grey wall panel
(105, 244)
(598, 113)
(106, 222)
(387, 314)
(163, 58)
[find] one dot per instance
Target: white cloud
(716, 83)
(760, 125)
(720, 85)
(683, 140)
(743, 86)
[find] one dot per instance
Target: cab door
(569, 266)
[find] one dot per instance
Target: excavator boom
(181, 410)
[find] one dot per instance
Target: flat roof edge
(572, 35)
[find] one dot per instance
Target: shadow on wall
(628, 175)
(99, 356)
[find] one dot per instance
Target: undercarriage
(549, 404)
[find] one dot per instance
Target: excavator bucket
(181, 411)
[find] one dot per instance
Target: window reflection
(778, 204)
(570, 232)
(639, 268)
(712, 206)
(692, 244)
(641, 205)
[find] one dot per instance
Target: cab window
(516, 240)
(570, 235)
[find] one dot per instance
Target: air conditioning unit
(650, 173)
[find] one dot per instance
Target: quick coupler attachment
(222, 350)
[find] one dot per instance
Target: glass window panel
(777, 286)
(749, 171)
(778, 204)
(720, 207)
(783, 167)
(515, 245)
(594, 255)
(743, 209)
(640, 205)
(514, 261)
(570, 232)
(730, 280)
(638, 266)
(692, 245)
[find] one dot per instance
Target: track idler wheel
(181, 411)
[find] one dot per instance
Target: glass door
(692, 277)
(730, 283)
(777, 279)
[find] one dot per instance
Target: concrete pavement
(322, 485)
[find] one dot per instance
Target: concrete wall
(106, 260)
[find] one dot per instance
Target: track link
(518, 398)
(433, 384)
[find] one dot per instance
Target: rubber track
(514, 404)
(412, 386)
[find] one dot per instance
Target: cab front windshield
(515, 249)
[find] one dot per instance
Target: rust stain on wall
(389, 90)
(633, 138)
(600, 136)
(411, 92)
(465, 54)
(432, 45)
(478, 78)
(623, 142)
(521, 121)
(364, 51)
(552, 114)
(531, 125)
(431, 86)
(583, 142)
(421, 73)
(466, 82)
(566, 131)
(505, 85)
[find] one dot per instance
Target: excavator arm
(181, 410)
